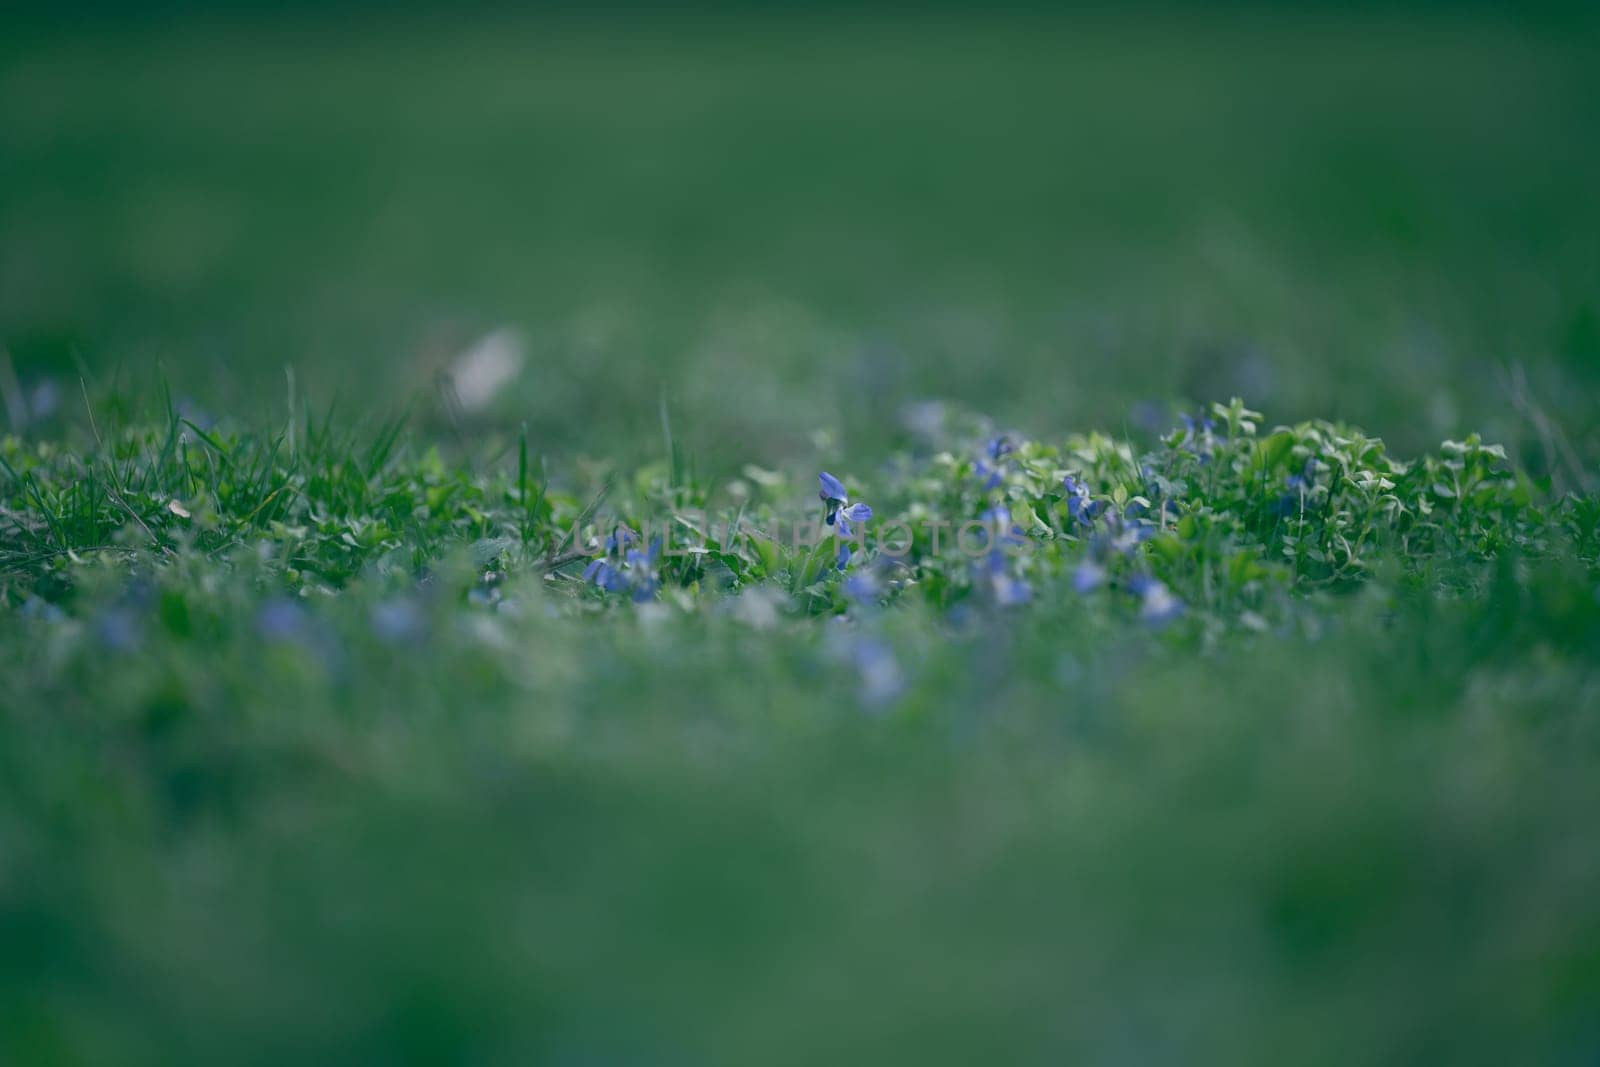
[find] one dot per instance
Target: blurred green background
(791, 220)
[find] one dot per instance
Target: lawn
(791, 538)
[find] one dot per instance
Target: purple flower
(1199, 434)
(634, 572)
(620, 538)
(642, 577)
(1088, 577)
(282, 620)
(832, 490)
(841, 512)
(119, 629)
(1123, 535)
(881, 679)
(397, 620)
(863, 587)
(1306, 478)
(990, 465)
(1079, 506)
(1006, 588)
(1157, 604)
(998, 520)
(41, 610)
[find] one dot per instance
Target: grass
(333, 728)
(320, 745)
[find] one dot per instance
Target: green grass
(320, 745)
(316, 744)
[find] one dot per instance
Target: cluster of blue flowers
(1117, 534)
(996, 572)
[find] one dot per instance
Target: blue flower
(119, 629)
(41, 610)
(841, 512)
(1123, 535)
(281, 619)
(397, 620)
(990, 465)
(1306, 478)
(878, 670)
(1008, 533)
(1088, 577)
(1079, 506)
(863, 587)
(1198, 434)
(1157, 604)
(634, 573)
(1005, 587)
(879, 680)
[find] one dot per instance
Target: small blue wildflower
(119, 629)
(990, 465)
(624, 569)
(1199, 434)
(619, 539)
(40, 610)
(1157, 604)
(281, 619)
(642, 577)
(863, 587)
(1007, 589)
(635, 573)
(1123, 535)
(998, 520)
(1088, 577)
(1305, 478)
(881, 678)
(998, 448)
(841, 512)
(1079, 506)
(832, 492)
(397, 620)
